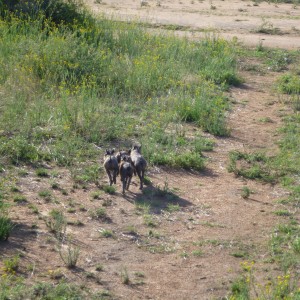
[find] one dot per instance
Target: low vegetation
(71, 85)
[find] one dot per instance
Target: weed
(99, 213)
(33, 208)
(107, 233)
(42, 172)
(69, 255)
(267, 28)
(109, 189)
(96, 195)
(20, 199)
(99, 268)
(11, 265)
(251, 166)
(15, 189)
(184, 255)
(46, 194)
(6, 226)
(173, 207)
(55, 186)
(149, 221)
(282, 213)
(197, 253)
(56, 274)
(139, 274)
(56, 222)
(245, 192)
(125, 276)
(131, 229)
(142, 208)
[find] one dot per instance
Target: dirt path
(230, 19)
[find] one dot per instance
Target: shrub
(6, 227)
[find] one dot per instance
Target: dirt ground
(230, 19)
(190, 253)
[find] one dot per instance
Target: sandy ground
(230, 19)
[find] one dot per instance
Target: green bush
(289, 84)
(6, 227)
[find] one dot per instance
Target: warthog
(126, 172)
(139, 163)
(111, 166)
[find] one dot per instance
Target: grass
(107, 233)
(70, 255)
(252, 166)
(72, 74)
(284, 242)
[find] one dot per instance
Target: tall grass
(66, 85)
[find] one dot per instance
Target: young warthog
(111, 166)
(121, 154)
(139, 163)
(126, 172)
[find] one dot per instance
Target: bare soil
(244, 20)
(193, 252)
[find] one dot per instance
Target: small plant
(15, 189)
(125, 276)
(131, 229)
(99, 268)
(96, 195)
(6, 226)
(139, 274)
(70, 255)
(148, 220)
(99, 213)
(109, 189)
(64, 192)
(142, 208)
(56, 222)
(56, 274)
(197, 253)
(245, 192)
(41, 172)
(55, 186)
(184, 255)
(173, 207)
(20, 199)
(34, 208)
(46, 194)
(282, 213)
(82, 208)
(11, 265)
(267, 28)
(107, 233)
(147, 180)
(239, 254)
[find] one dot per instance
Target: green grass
(252, 166)
(6, 227)
(58, 82)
